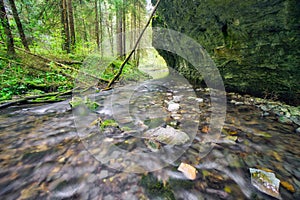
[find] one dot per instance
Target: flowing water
(44, 154)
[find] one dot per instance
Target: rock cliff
(255, 44)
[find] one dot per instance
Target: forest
(149, 99)
(44, 43)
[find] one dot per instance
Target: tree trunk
(119, 31)
(138, 53)
(97, 25)
(101, 27)
(65, 27)
(19, 24)
(109, 29)
(135, 26)
(7, 31)
(71, 25)
(124, 27)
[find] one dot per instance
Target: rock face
(255, 44)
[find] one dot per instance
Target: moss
(78, 101)
(260, 44)
(108, 123)
(155, 188)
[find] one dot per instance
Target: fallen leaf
(277, 156)
(55, 170)
(205, 129)
(232, 132)
(288, 186)
(266, 169)
(265, 182)
(227, 189)
(188, 171)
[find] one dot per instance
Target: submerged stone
(173, 107)
(168, 135)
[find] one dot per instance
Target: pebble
(239, 103)
(298, 130)
(173, 107)
(265, 114)
(199, 100)
(128, 195)
(177, 99)
(103, 174)
(109, 197)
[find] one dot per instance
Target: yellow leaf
(188, 171)
(287, 186)
(55, 170)
(277, 156)
(266, 169)
(227, 189)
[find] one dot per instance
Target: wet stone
(298, 130)
(177, 99)
(103, 174)
(199, 100)
(109, 197)
(173, 107)
(296, 173)
(128, 195)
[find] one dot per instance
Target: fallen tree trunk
(25, 99)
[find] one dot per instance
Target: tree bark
(19, 24)
(97, 25)
(7, 30)
(119, 31)
(101, 27)
(109, 29)
(124, 27)
(71, 25)
(65, 27)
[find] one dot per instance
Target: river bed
(44, 157)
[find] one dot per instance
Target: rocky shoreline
(283, 113)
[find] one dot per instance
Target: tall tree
(97, 25)
(65, 26)
(19, 24)
(109, 27)
(71, 24)
(124, 27)
(119, 28)
(101, 27)
(7, 30)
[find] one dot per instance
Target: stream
(51, 152)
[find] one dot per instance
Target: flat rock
(168, 135)
(173, 107)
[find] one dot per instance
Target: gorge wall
(255, 44)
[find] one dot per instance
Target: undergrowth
(26, 75)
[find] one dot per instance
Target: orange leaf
(205, 129)
(188, 171)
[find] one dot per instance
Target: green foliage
(41, 22)
(17, 79)
(78, 101)
(155, 188)
(108, 123)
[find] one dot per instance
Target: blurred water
(43, 157)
